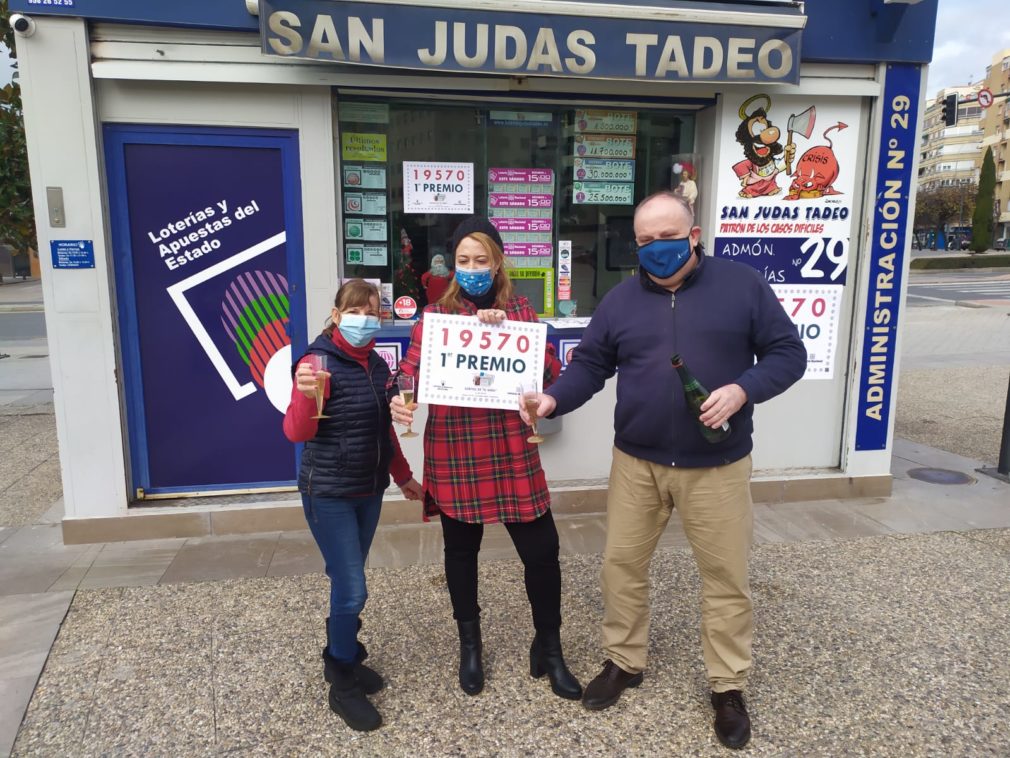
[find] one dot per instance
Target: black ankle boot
(546, 658)
(369, 679)
(348, 700)
(471, 671)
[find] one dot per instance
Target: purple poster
(508, 224)
(529, 248)
(210, 279)
(521, 175)
(519, 200)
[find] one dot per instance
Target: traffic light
(950, 110)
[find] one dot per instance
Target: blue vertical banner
(207, 246)
(900, 104)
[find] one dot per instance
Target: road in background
(982, 287)
(26, 383)
(22, 326)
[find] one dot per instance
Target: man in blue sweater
(719, 316)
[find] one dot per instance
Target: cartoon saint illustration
(688, 188)
(761, 148)
(816, 170)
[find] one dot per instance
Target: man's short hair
(670, 195)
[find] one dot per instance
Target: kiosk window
(544, 174)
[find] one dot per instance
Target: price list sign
(521, 206)
(364, 185)
(467, 363)
(604, 167)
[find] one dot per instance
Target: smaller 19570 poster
(475, 365)
(434, 187)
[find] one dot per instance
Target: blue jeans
(343, 528)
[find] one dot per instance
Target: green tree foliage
(17, 218)
(935, 208)
(981, 222)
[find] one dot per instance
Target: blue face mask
(358, 329)
(664, 258)
(475, 282)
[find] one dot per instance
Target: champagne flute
(318, 364)
(531, 399)
(406, 385)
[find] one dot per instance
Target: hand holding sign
(479, 361)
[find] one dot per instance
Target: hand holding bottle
(712, 410)
(722, 404)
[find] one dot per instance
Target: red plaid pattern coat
(478, 466)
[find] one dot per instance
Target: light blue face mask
(664, 258)
(358, 329)
(475, 282)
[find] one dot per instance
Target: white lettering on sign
(774, 57)
(882, 332)
(193, 236)
(362, 44)
(540, 49)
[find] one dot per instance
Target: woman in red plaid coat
(479, 469)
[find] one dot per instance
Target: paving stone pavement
(885, 645)
(29, 465)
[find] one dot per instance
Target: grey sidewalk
(202, 646)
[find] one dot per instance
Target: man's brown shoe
(732, 724)
(606, 688)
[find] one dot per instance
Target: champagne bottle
(696, 395)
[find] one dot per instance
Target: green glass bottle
(696, 395)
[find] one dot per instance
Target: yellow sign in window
(357, 146)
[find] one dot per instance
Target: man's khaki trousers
(716, 511)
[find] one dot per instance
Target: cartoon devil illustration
(816, 170)
(761, 149)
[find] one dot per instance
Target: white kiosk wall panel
(63, 152)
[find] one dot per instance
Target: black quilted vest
(351, 451)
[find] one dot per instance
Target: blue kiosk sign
(523, 43)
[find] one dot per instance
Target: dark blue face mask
(664, 258)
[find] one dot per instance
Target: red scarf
(360, 354)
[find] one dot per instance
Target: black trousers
(537, 545)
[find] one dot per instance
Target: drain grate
(940, 476)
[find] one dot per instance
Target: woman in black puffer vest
(345, 469)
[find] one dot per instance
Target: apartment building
(951, 155)
(996, 134)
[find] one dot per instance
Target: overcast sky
(969, 33)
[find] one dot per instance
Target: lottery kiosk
(206, 174)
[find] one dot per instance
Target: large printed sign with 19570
(467, 363)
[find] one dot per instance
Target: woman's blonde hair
(502, 284)
(354, 293)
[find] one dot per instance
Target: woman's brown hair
(502, 284)
(354, 293)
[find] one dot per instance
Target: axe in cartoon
(802, 124)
